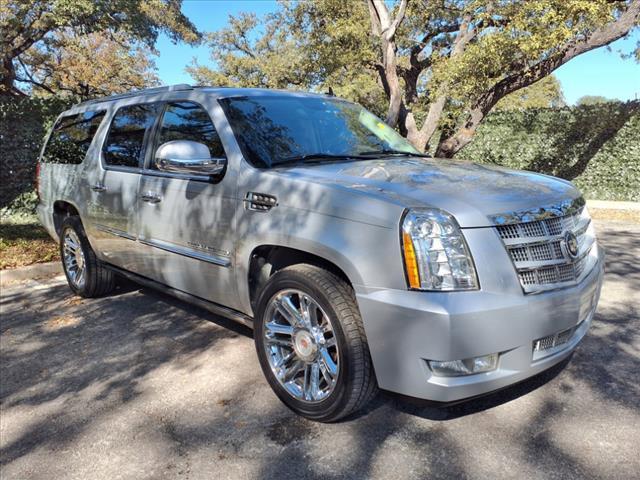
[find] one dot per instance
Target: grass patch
(25, 242)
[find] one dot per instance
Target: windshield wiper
(316, 157)
(386, 151)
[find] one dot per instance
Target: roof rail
(135, 93)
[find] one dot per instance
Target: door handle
(98, 187)
(150, 197)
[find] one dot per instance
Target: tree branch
(391, 31)
(527, 76)
(429, 36)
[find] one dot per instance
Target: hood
(472, 193)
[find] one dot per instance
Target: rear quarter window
(71, 137)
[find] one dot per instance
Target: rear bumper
(406, 328)
(45, 215)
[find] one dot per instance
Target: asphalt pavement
(138, 385)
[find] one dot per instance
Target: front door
(185, 222)
(114, 186)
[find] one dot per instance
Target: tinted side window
(125, 142)
(71, 137)
(188, 121)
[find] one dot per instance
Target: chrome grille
(537, 246)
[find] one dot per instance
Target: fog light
(469, 366)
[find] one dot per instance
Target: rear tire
(292, 351)
(86, 275)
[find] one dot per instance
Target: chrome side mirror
(187, 156)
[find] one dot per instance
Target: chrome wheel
(301, 346)
(73, 257)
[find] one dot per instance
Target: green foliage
(592, 100)
(20, 208)
(546, 93)
(595, 146)
(304, 45)
(23, 125)
(519, 34)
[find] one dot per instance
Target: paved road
(139, 385)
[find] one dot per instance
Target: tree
(439, 66)
(305, 45)
(87, 66)
(592, 100)
(477, 52)
(32, 30)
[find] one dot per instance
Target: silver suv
(359, 262)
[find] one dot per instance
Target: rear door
(114, 185)
(185, 221)
(68, 154)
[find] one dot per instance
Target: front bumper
(406, 328)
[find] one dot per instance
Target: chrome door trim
(181, 176)
(151, 197)
(221, 259)
(98, 187)
(114, 231)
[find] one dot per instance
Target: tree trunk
(420, 138)
(8, 77)
(384, 27)
(391, 74)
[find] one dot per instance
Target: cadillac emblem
(571, 244)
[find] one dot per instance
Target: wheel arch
(265, 260)
(62, 209)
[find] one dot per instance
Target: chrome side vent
(259, 202)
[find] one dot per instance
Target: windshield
(276, 130)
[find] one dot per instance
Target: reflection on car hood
(470, 192)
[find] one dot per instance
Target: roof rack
(135, 93)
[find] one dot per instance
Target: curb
(31, 272)
(614, 211)
(609, 205)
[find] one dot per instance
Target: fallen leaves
(61, 321)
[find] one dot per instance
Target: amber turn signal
(410, 261)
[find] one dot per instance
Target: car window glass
(271, 129)
(71, 137)
(125, 143)
(189, 121)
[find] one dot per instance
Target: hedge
(23, 125)
(595, 146)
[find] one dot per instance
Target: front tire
(311, 344)
(86, 275)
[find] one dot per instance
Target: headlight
(436, 255)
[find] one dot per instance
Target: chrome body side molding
(115, 231)
(220, 258)
(199, 252)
